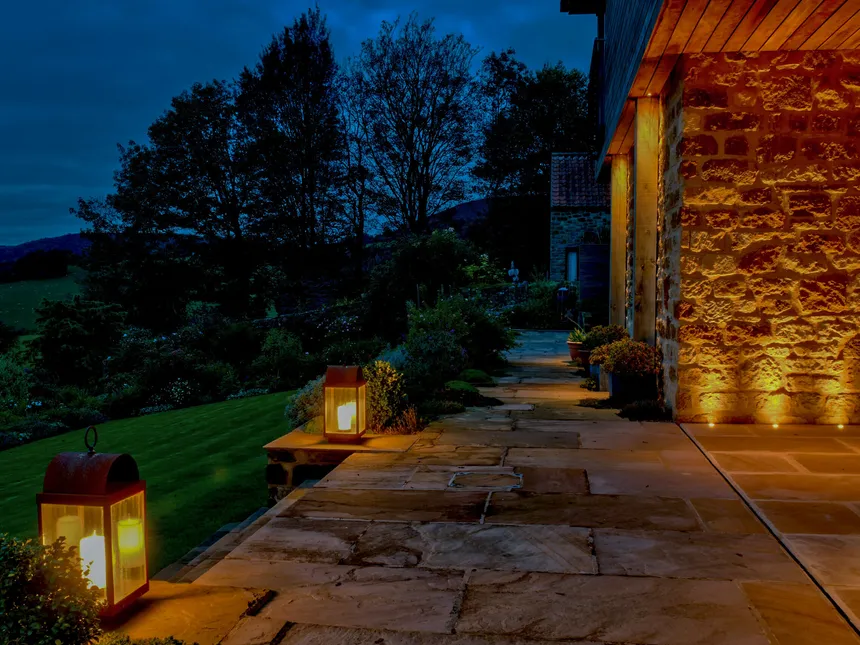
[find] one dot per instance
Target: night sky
(78, 77)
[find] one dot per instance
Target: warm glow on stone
(775, 425)
(841, 427)
(711, 425)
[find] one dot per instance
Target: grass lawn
(18, 299)
(203, 466)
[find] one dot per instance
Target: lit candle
(130, 539)
(93, 555)
(346, 416)
(69, 527)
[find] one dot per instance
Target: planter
(583, 357)
(573, 348)
(603, 379)
(625, 388)
(594, 372)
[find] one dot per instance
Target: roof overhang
(575, 7)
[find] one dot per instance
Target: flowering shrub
(630, 357)
(386, 395)
(603, 335)
(244, 394)
(306, 404)
(14, 384)
(599, 355)
(44, 599)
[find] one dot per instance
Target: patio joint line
(750, 504)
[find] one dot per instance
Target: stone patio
(543, 521)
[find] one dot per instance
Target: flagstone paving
(546, 521)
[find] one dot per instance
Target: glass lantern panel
(128, 532)
(341, 410)
(83, 528)
(362, 407)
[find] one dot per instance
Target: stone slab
(314, 635)
(554, 480)
(388, 476)
(811, 517)
(411, 600)
(273, 574)
(298, 440)
(647, 611)
(559, 549)
(455, 455)
(203, 614)
(772, 444)
(727, 516)
(799, 487)
(832, 559)
(402, 505)
(799, 614)
(656, 483)
(669, 554)
(849, 599)
(301, 540)
(754, 462)
(510, 439)
(689, 460)
(830, 464)
(566, 458)
(597, 511)
(440, 477)
(638, 439)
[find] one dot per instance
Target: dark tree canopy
(421, 107)
(531, 115)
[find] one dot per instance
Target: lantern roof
(344, 376)
(81, 473)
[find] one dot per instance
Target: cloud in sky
(79, 77)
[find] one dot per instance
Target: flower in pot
(598, 336)
(596, 359)
(632, 368)
(574, 342)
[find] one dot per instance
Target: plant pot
(603, 379)
(583, 357)
(594, 372)
(625, 388)
(573, 348)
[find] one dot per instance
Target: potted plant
(598, 373)
(632, 367)
(574, 343)
(600, 335)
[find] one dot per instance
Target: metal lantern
(98, 503)
(344, 395)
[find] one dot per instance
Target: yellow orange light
(711, 424)
(841, 427)
(775, 425)
(346, 416)
(130, 538)
(93, 556)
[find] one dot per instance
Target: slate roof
(573, 183)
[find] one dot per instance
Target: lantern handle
(91, 449)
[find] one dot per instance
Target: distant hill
(72, 242)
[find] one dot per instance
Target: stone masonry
(570, 229)
(759, 261)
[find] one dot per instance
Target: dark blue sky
(79, 77)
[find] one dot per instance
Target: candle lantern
(97, 502)
(344, 395)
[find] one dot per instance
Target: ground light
(841, 427)
(97, 502)
(711, 424)
(775, 425)
(345, 397)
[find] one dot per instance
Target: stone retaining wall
(761, 231)
(572, 228)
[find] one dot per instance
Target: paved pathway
(539, 521)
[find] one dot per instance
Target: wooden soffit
(695, 26)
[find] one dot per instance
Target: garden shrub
(44, 599)
(236, 343)
(282, 364)
(438, 407)
(476, 377)
(465, 393)
(603, 335)
(541, 308)
(24, 430)
(434, 357)
(353, 352)
(630, 357)
(8, 338)
(305, 405)
(386, 396)
(14, 384)
(599, 354)
(217, 381)
(396, 357)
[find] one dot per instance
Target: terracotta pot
(573, 348)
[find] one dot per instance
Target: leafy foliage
(541, 309)
(75, 339)
(603, 335)
(386, 395)
(631, 357)
(305, 404)
(44, 599)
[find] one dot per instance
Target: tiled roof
(573, 183)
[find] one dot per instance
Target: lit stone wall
(760, 244)
(631, 246)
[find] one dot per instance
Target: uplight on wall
(97, 502)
